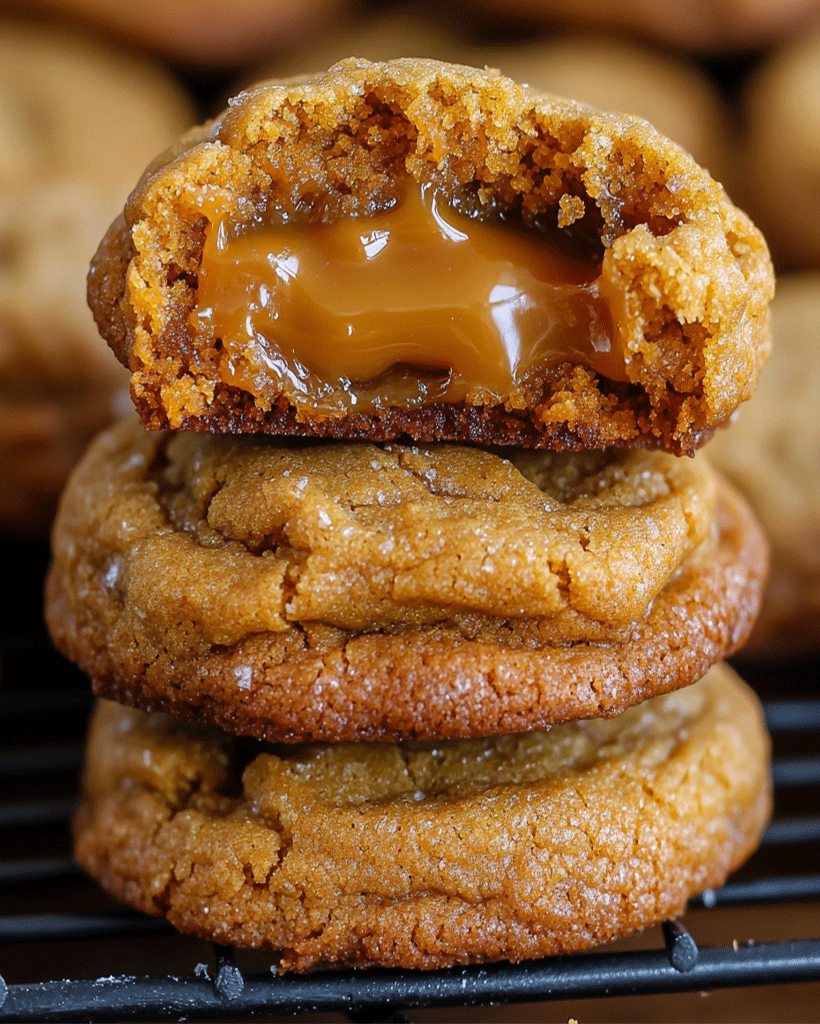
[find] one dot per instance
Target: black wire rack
(46, 903)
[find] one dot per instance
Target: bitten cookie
(76, 121)
(622, 297)
(772, 454)
(426, 855)
(616, 73)
(295, 590)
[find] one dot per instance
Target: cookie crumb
(570, 209)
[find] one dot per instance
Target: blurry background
(91, 90)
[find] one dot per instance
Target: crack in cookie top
(669, 282)
(292, 590)
(236, 535)
(425, 855)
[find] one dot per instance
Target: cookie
(221, 34)
(607, 292)
(428, 854)
(616, 73)
(607, 72)
(290, 590)
(375, 34)
(698, 27)
(76, 120)
(781, 156)
(772, 454)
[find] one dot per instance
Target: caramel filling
(411, 304)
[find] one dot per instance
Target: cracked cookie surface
(688, 275)
(428, 854)
(294, 590)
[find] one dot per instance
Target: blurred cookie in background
(772, 453)
(694, 25)
(612, 73)
(782, 159)
(396, 32)
(78, 123)
(203, 33)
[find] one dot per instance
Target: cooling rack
(46, 905)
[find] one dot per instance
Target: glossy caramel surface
(415, 303)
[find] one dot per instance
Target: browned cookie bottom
(429, 854)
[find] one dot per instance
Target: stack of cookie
(402, 594)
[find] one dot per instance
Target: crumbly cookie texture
(616, 72)
(432, 854)
(295, 590)
(772, 455)
(690, 274)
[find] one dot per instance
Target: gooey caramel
(415, 303)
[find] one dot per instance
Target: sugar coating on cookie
(295, 590)
(618, 73)
(432, 854)
(674, 279)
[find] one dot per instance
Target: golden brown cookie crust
(294, 591)
(690, 273)
(427, 855)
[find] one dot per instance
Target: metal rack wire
(40, 752)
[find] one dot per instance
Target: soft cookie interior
(680, 278)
